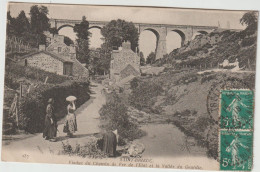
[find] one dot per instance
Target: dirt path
(88, 124)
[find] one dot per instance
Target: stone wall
(121, 59)
(45, 62)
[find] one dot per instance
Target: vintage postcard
(129, 86)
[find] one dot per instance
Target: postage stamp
(236, 110)
(236, 150)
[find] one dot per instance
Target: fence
(14, 44)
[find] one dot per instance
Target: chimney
(126, 45)
(72, 51)
(42, 47)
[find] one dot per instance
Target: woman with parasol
(70, 125)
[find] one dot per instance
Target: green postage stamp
(236, 130)
(236, 150)
(236, 109)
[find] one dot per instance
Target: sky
(147, 40)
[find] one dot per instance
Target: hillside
(180, 97)
(209, 50)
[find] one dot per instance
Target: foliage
(187, 79)
(114, 114)
(32, 108)
(248, 41)
(39, 19)
(150, 58)
(100, 61)
(142, 59)
(90, 149)
(144, 94)
(68, 41)
(117, 31)
(29, 32)
(207, 78)
(22, 24)
(250, 19)
(82, 32)
(53, 30)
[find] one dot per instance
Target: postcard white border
(208, 4)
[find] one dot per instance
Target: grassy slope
(183, 102)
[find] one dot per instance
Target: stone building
(50, 62)
(57, 58)
(124, 62)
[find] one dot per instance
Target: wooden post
(21, 90)
(46, 79)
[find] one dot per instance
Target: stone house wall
(121, 59)
(45, 62)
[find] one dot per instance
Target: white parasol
(71, 98)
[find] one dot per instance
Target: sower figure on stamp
(50, 124)
(70, 125)
(234, 148)
(234, 107)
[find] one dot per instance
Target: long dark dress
(50, 129)
(110, 143)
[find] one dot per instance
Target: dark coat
(50, 128)
(109, 143)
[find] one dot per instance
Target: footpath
(32, 148)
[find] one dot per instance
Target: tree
(53, 30)
(150, 58)
(82, 40)
(39, 19)
(10, 28)
(142, 59)
(68, 41)
(117, 31)
(250, 19)
(22, 24)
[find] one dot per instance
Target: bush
(207, 78)
(248, 41)
(32, 109)
(187, 79)
(114, 116)
(90, 150)
(144, 95)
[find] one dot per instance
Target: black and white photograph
(129, 86)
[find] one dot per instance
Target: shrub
(207, 78)
(143, 96)
(187, 79)
(32, 109)
(248, 41)
(114, 116)
(90, 150)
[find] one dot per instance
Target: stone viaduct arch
(186, 32)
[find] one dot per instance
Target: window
(59, 49)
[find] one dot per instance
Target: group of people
(109, 140)
(50, 122)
